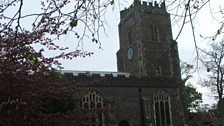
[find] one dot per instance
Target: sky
(104, 59)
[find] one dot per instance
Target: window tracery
(93, 100)
(162, 111)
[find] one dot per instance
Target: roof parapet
(94, 74)
(148, 7)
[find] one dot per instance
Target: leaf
(35, 61)
(218, 32)
(73, 23)
(196, 7)
(29, 56)
(65, 31)
(208, 70)
(112, 2)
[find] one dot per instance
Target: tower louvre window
(130, 38)
(161, 103)
(154, 33)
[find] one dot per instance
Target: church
(147, 90)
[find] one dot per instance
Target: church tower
(147, 47)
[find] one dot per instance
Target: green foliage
(65, 31)
(73, 23)
(194, 98)
(33, 59)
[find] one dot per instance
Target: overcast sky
(105, 59)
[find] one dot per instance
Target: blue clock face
(130, 53)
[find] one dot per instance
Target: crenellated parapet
(117, 79)
(144, 7)
(94, 73)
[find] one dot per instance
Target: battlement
(102, 78)
(95, 73)
(145, 7)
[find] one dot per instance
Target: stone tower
(147, 47)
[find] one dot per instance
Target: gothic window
(154, 33)
(161, 103)
(92, 100)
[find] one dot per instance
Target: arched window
(93, 100)
(161, 103)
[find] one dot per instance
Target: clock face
(130, 53)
